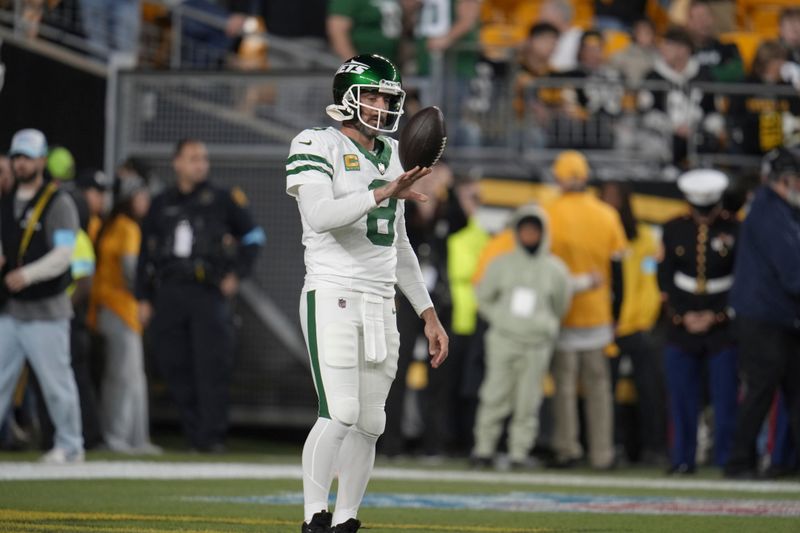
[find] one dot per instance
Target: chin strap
(339, 112)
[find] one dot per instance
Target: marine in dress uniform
(695, 275)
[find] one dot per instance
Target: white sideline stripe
(18, 471)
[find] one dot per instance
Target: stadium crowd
(649, 354)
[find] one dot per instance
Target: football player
(350, 189)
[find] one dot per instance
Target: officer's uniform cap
(703, 187)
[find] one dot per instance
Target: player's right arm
(309, 179)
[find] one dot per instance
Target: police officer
(198, 240)
(695, 275)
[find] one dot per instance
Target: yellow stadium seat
(584, 13)
(762, 16)
(497, 38)
(527, 13)
(747, 42)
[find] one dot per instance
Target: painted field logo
(536, 502)
(351, 162)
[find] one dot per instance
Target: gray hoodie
(523, 296)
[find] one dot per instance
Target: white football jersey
(361, 256)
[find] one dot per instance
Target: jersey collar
(381, 158)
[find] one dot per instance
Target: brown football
(423, 139)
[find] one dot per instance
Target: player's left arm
(410, 281)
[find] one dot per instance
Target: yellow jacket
(463, 250)
(641, 301)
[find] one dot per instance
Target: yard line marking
(25, 519)
(11, 471)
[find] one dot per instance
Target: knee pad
(344, 410)
(372, 421)
(340, 345)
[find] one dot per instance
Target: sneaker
(525, 465)
(320, 523)
(147, 449)
(60, 456)
(351, 526)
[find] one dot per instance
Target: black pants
(648, 376)
(193, 342)
(769, 357)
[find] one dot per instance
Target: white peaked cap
(703, 186)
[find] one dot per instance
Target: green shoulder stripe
(309, 157)
(304, 168)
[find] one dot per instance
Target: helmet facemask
(351, 106)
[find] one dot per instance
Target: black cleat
(477, 462)
(351, 526)
(320, 523)
(682, 469)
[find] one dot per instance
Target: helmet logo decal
(353, 67)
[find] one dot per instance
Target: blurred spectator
(198, 241)
(723, 60)
(534, 106)
(428, 224)
(93, 184)
(301, 23)
(640, 308)
(61, 164)
(523, 296)
(112, 26)
(446, 36)
(789, 32)
(365, 27)
(638, 58)
(205, 45)
(679, 109)
(588, 236)
(761, 120)
(463, 250)
(443, 26)
(765, 297)
(123, 389)
(6, 177)
(618, 14)
(561, 14)
(34, 325)
(591, 106)
(695, 275)
(61, 167)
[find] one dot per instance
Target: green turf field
(408, 496)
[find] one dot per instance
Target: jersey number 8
(387, 213)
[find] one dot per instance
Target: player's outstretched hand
(438, 342)
(401, 187)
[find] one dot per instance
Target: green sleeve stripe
(313, 351)
(309, 157)
(303, 168)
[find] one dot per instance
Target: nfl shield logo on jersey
(342, 303)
